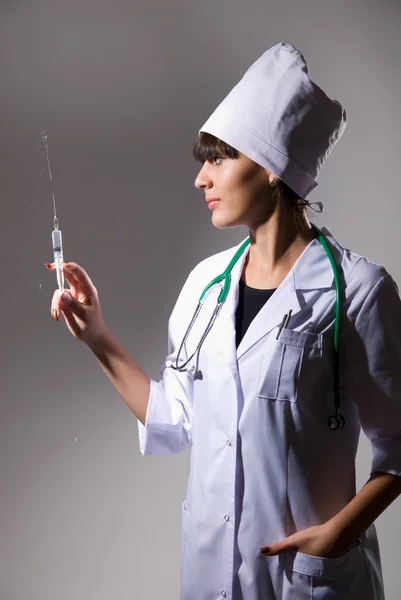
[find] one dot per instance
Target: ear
(272, 179)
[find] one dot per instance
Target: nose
(202, 180)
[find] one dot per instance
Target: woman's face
(242, 188)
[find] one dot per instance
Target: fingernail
(54, 313)
(264, 550)
(47, 265)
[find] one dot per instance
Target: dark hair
(207, 146)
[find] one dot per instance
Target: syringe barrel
(57, 245)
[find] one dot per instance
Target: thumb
(67, 302)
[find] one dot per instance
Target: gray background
(121, 88)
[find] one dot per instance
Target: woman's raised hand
(79, 305)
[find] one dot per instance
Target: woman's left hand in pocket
(320, 540)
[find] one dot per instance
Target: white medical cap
(280, 119)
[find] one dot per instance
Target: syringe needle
(55, 212)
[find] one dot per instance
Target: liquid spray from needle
(56, 233)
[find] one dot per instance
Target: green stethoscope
(336, 421)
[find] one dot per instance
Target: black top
(250, 301)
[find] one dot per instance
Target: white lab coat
(264, 463)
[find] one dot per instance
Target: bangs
(207, 146)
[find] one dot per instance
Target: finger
(78, 279)
(73, 291)
(85, 284)
(72, 323)
(55, 305)
(271, 550)
(67, 302)
(64, 300)
(73, 283)
(69, 275)
(277, 548)
(51, 266)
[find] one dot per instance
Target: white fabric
(264, 463)
(280, 119)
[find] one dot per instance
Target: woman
(271, 511)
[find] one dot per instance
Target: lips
(212, 200)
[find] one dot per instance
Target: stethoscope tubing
(335, 421)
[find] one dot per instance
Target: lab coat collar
(311, 271)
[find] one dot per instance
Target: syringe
(56, 233)
(58, 254)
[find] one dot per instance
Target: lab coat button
(223, 593)
(228, 443)
(226, 517)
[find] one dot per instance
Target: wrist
(101, 340)
(336, 540)
(341, 531)
(333, 530)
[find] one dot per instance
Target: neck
(275, 247)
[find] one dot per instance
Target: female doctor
(270, 378)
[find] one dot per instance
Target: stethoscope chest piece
(336, 422)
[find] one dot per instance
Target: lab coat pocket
(285, 367)
(339, 578)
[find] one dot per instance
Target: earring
(273, 182)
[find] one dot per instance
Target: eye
(213, 159)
